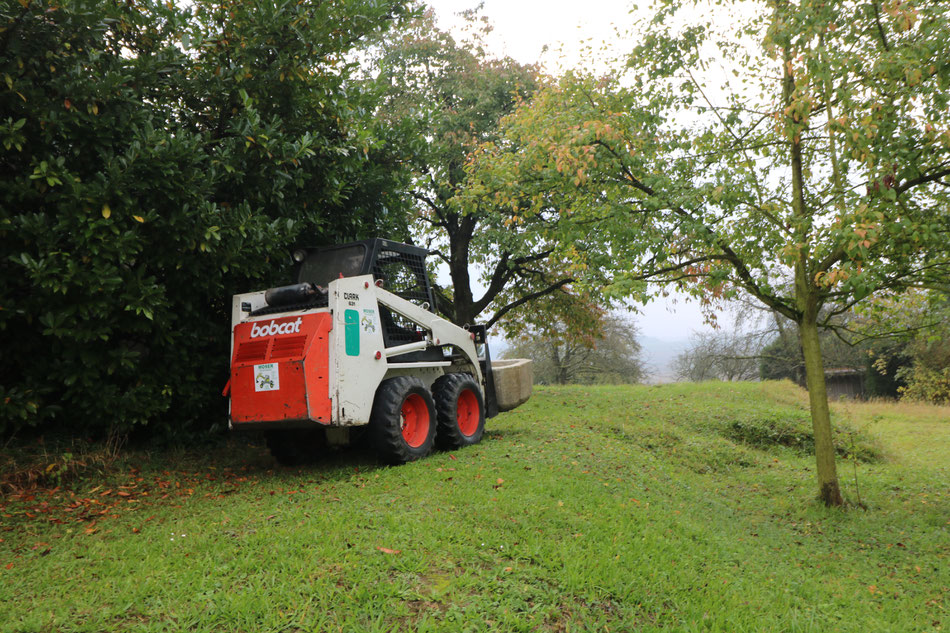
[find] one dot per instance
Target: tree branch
(920, 180)
(530, 297)
(880, 27)
(500, 276)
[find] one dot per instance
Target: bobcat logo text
(272, 328)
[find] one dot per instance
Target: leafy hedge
(795, 431)
(156, 160)
(925, 384)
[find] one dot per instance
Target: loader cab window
(403, 275)
(323, 266)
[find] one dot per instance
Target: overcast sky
(523, 29)
(564, 34)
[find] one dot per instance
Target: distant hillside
(658, 356)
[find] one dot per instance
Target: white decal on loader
(272, 328)
(266, 377)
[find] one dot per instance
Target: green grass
(587, 509)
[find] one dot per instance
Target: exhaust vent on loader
(288, 347)
(251, 351)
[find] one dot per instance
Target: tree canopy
(449, 97)
(810, 176)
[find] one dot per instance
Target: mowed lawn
(587, 509)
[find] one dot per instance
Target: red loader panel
(279, 372)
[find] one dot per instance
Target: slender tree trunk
(829, 491)
(808, 303)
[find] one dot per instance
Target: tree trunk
(806, 294)
(459, 242)
(820, 415)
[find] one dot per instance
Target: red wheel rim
(414, 420)
(468, 413)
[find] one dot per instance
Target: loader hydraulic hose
(296, 293)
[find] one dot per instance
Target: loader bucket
(513, 378)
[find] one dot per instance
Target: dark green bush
(155, 160)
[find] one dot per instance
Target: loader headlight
(300, 255)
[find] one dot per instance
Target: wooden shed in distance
(845, 382)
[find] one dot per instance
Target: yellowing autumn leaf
(138, 218)
(106, 211)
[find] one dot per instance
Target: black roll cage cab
(400, 267)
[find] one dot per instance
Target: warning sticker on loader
(368, 321)
(266, 377)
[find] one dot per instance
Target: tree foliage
(448, 97)
(559, 356)
(158, 158)
(927, 376)
(912, 360)
(814, 177)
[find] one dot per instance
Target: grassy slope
(613, 508)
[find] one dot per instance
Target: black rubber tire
(297, 447)
(446, 391)
(386, 420)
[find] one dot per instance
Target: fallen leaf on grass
(386, 550)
